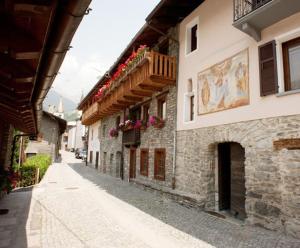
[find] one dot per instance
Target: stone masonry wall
(272, 176)
(112, 146)
(153, 138)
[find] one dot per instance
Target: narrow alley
(74, 206)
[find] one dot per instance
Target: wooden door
(97, 160)
(238, 188)
(224, 176)
(132, 163)
(91, 157)
(104, 162)
(118, 164)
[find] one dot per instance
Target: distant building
(59, 111)
(48, 142)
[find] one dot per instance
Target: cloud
(78, 74)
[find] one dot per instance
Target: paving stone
(106, 212)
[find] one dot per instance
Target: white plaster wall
(94, 142)
(218, 40)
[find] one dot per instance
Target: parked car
(84, 155)
(77, 152)
(80, 153)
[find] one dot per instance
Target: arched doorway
(231, 179)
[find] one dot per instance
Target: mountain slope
(53, 97)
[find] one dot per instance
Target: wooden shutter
(144, 162)
(268, 69)
(159, 164)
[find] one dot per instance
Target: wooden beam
(150, 87)
(30, 9)
(133, 98)
(126, 103)
(141, 93)
(16, 70)
(17, 43)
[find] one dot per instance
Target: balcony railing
(245, 7)
(150, 74)
(90, 115)
(154, 72)
(131, 137)
(252, 16)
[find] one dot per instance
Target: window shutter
(268, 69)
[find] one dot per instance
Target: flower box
(156, 122)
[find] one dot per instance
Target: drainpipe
(175, 126)
(87, 145)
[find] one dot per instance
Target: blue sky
(99, 40)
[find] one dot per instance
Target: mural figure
(224, 85)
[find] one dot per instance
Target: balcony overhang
(252, 18)
(150, 75)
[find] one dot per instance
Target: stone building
(238, 150)
(49, 137)
(147, 91)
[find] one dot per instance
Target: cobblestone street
(74, 206)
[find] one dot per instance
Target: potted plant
(8, 180)
(129, 124)
(156, 122)
(138, 124)
(113, 132)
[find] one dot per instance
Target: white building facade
(238, 115)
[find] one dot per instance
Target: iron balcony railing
(245, 7)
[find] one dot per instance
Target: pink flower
(137, 124)
(152, 120)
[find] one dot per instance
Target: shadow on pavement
(198, 224)
(13, 224)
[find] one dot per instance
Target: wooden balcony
(90, 115)
(151, 74)
(252, 16)
(131, 137)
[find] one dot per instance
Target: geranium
(121, 125)
(156, 121)
(113, 132)
(8, 180)
(138, 124)
(122, 68)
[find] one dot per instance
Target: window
(192, 37)
(164, 47)
(104, 162)
(189, 102)
(268, 69)
(144, 162)
(291, 64)
(118, 120)
(162, 108)
(146, 109)
(92, 134)
(159, 164)
(192, 108)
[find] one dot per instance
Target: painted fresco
(224, 85)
